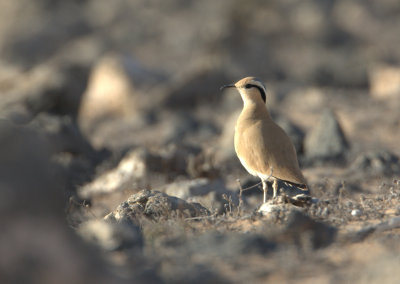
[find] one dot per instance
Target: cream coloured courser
(263, 148)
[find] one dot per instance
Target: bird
(263, 147)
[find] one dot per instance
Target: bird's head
(251, 89)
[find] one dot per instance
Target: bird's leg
(275, 188)
(265, 189)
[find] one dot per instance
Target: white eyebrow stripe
(259, 84)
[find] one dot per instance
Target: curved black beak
(227, 86)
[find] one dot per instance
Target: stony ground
(116, 146)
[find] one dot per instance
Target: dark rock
(154, 204)
(375, 163)
(326, 141)
(293, 131)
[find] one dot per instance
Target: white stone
(268, 208)
(132, 167)
(356, 213)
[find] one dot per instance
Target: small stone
(268, 208)
(356, 213)
(132, 169)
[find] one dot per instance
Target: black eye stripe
(262, 92)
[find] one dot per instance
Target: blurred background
(90, 86)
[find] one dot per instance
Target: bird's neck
(255, 110)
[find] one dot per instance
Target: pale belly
(255, 173)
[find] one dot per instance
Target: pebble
(268, 208)
(356, 213)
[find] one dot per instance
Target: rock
(283, 204)
(317, 234)
(131, 171)
(139, 167)
(154, 204)
(276, 208)
(268, 208)
(109, 91)
(375, 163)
(111, 236)
(356, 213)
(326, 141)
(294, 132)
(207, 193)
(385, 81)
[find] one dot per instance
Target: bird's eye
(248, 86)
